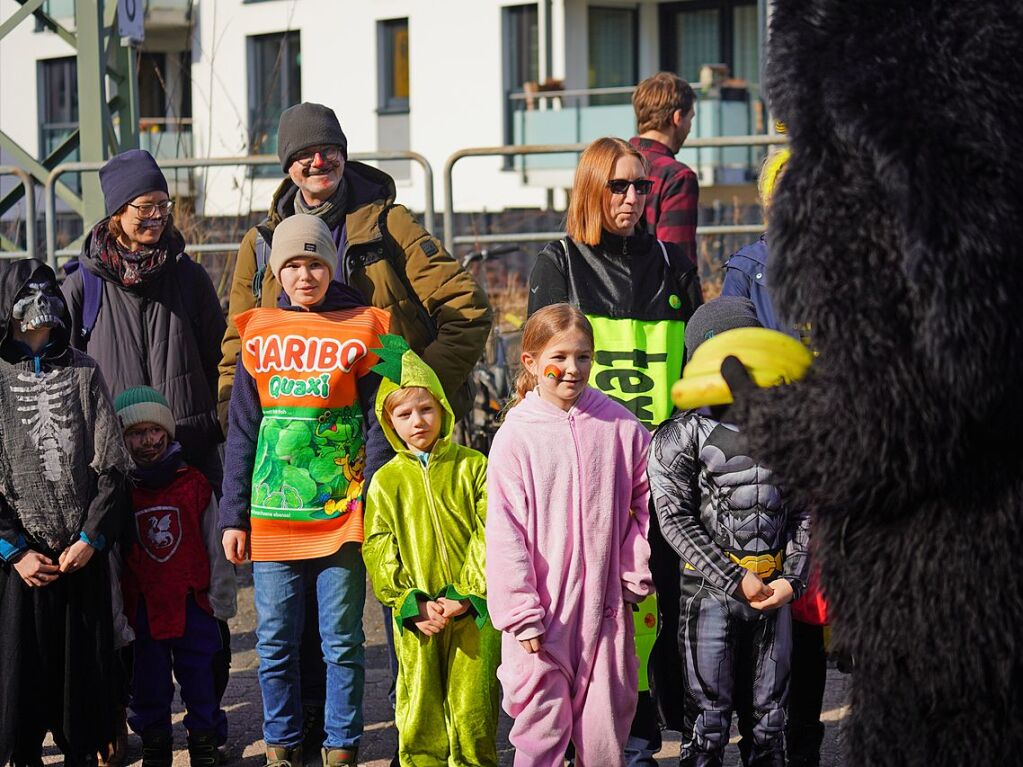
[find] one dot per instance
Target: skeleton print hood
(14, 276)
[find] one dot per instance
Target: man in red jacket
(664, 106)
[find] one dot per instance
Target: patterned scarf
(130, 267)
(332, 211)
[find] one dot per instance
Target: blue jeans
(280, 603)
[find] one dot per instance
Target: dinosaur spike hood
(895, 234)
(402, 368)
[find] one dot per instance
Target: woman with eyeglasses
(150, 316)
(638, 293)
(158, 321)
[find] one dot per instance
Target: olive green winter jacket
(397, 265)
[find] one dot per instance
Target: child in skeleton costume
(746, 557)
(425, 553)
(62, 469)
(177, 584)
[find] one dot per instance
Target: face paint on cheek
(553, 372)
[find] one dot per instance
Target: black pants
(222, 665)
(804, 731)
(665, 669)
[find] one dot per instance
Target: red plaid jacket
(672, 206)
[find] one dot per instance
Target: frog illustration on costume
(315, 466)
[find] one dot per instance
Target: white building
(431, 76)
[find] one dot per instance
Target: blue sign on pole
(131, 19)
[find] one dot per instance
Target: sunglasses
(621, 185)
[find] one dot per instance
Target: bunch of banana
(770, 357)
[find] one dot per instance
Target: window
(58, 109)
(522, 46)
(275, 83)
(394, 65)
(521, 37)
(711, 32)
(613, 45)
(61, 10)
(152, 78)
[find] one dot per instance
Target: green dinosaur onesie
(424, 540)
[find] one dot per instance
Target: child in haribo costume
(303, 442)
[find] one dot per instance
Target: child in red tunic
(176, 582)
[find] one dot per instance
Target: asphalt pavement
(244, 708)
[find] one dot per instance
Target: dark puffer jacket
(165, 334)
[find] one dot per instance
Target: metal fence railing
(30, 211)
(451, 238)
(49, 191)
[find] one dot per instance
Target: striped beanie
(143, 404)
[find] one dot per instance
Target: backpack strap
(92, 300)
(262, 260)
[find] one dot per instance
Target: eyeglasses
(621, 185)
(329, 153)
(148, 209)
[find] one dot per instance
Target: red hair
(540, 328)
(588, 210)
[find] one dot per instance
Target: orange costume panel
(307, 477)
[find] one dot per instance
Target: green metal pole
(126, 57)
(92, 111)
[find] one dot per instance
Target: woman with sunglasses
(150, 316)
(638, 293)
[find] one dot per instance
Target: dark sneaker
(157, 749)
(202, 749)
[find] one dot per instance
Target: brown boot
(279, 756)
(340, 757)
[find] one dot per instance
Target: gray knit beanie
(717, 316)
(305, 125)
(302, 235)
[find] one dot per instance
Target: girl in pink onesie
(567, 553)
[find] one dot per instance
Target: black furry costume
(897, 232)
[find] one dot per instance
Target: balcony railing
(160, 14)
(166, 138)
(580, 116)
(168, 14)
